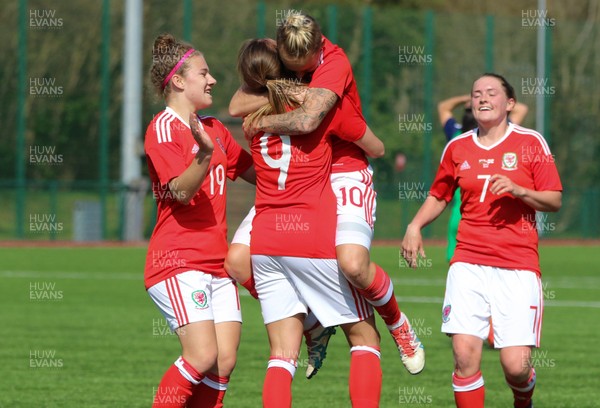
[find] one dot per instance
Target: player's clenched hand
(412, 246)
(500, 184)
(200, 136)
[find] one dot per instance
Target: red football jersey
(295, 205)
(496, 230)
(192, 236)
(335, 73)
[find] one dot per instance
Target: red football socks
(277, 389)
(469, 392)
(523, 391)
(209, 393)
(380, 294)
(365, 377)
(249, 285)
(177, 385)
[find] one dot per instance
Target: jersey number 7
(485, 177)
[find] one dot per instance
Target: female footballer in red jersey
(293, 235)
(189, 158)
(505, 173)
(314, 59)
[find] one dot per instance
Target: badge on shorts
(199, 298)
(446, 313)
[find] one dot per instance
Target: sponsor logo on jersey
(486, 162)
(465, 166)
(509, 161)
(446, 313)
(199, 298)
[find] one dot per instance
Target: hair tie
(176, 67)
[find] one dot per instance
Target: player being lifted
(324, 66)
(505, 173)
(293, 238)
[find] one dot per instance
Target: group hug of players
(303, 250)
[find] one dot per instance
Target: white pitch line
(434, 282)
(72, 275)
(572, 303)
(547, 303)
(574, 282)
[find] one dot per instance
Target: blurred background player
(314, 59)
(188, 160)
(293, 235)
(452, 129)
(506, 174)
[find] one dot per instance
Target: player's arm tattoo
(305, 119)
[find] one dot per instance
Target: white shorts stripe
(357, 303)
(177, 301)
(184, 314)
(361, 304)
(172, 300)
(369, 205)
(356, 204)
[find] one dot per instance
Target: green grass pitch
(78, 330)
